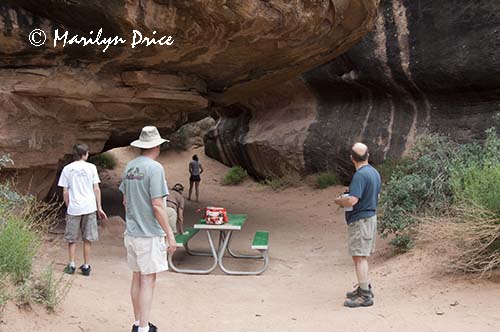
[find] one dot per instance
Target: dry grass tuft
(467, 237)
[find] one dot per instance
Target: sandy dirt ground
(303, 289)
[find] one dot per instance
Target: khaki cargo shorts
(146, 254)
(362, 235)
(86, 225)
(172, 218)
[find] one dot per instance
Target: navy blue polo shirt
(365, 185)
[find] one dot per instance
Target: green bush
(437, 174)
(477, 176)
(402, 243)
(277, 184)
(49, 290)
(234, 176)
(4, 294)
(419, 184)
(289, 178)
(104, 160)
(23, 220)
(43, 289)
(480, 185)
(5, 160)
(18, 246)
(389, 166)
(326, 179)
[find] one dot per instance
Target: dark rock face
(426, 66)
(223, 51)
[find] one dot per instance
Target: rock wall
(223, 52)
(426, 66)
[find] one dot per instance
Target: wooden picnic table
(235, 223)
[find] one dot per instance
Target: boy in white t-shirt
(82, 197)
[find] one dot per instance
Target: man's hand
(346, 201)
(102, 215)
(172, 246)
(171, 249)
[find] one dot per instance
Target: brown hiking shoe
(363, 299)
(357, 290)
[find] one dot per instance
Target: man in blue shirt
(361, 217)
(148, 230)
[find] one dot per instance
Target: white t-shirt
(79, 177)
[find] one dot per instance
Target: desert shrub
(234, 176)
(439, 173)
(276, 183)
(481, 185)
(18, 246)
(5, 160)
(4, 294)
(391, 165)
(477, 175)
(104, 160)
(326, 179)
(467, 237)
(44, 288)
(23, 221)
(50, 290)
(417, 185)
(289, 178)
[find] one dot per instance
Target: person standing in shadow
(195, 170)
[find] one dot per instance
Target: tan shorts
(362, 236)
(172, 218)
(86, 225)
(146, 254)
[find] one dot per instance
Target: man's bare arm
(181, 214)
(100, 211)
(66, 196)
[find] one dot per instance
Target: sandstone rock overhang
(223, 52)
(427, 66)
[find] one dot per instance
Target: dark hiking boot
(152, 328)
(357, 290)
(362, 299)
(85, 271)
(69, 269)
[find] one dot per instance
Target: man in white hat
(143, 188)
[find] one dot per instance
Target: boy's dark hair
(80, 150)
(359, 158)
(195, 157)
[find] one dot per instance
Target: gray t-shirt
(143, 180)
(194, 167)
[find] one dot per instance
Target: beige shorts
(172, 218)
(146, 254)
(362, 235)
(86, 225)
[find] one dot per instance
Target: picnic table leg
(234, 255)
(264, 254)
(199, 253)
(191, 271)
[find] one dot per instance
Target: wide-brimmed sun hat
(149, 138)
